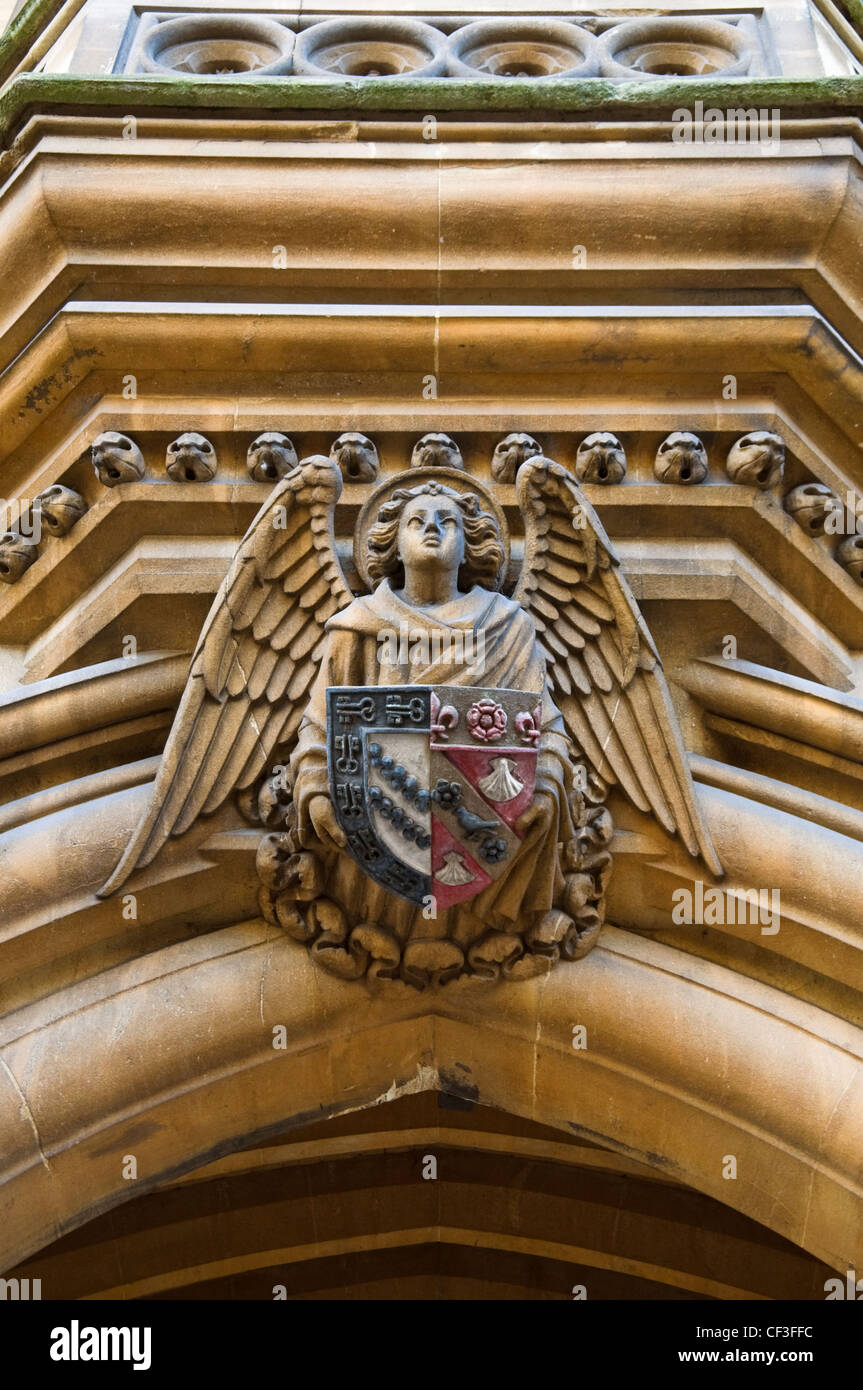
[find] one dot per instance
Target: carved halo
(452, 478)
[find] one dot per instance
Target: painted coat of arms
(430, 783)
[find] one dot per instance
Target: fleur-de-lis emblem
(443, 718)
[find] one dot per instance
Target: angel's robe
(355, 654)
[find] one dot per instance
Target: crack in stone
(25, 1110)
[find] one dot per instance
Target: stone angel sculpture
(431, 758)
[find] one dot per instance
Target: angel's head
(433, 527)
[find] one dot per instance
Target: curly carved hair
(483, 547)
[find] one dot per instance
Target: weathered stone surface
(601, 459)
(191, 459)
(319, 256)
(271, 456)
(757, 459)
(356, 456)
(59, 508)
(681, 458)
(116, 459)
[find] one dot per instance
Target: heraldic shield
(428, 783)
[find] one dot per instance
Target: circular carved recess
(674, 48)
(219, 45)
(522, 48)
(370, 48)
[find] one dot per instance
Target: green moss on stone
(23, 31)
(596, 97)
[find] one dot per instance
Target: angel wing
(255, 660)
(603, 665)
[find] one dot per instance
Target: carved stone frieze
(495, 48)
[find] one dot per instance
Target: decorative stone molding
(361, 46)
(757, 459)
(810, 504)
(191, 459)
(850, 557)
(60, 507)
(674, 47)
(367, 47)
(17, 554)
(436, 450)
(681, 458)
(601, 458)
(116, 459)
(510, 453)
(218, 45)
(356, 456)
(270, 457)
(521, 48)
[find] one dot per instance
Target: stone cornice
(776, 226)
(589, 97)
(465, 345)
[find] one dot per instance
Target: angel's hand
(538, 816)
(327, 828)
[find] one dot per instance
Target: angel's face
(431, 535)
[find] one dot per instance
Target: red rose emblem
(487, 720)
